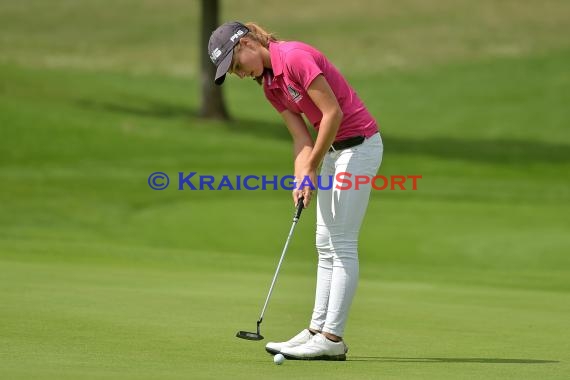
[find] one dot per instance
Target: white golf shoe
(318, 348)
(275, 348)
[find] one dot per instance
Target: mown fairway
(102, 277)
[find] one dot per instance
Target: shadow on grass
(153, 109)
(449, 360)
(491, 151)
(146, 109)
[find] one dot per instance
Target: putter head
(249, 335)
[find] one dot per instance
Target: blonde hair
(261, 36)
(257, 33)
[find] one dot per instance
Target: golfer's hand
(297, 194)
(303, 188)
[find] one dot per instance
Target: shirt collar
(275, 56)
(276, 64)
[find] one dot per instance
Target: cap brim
(223, 68)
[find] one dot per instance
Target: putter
(257, 335)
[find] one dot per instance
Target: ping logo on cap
(215, 54)
(237, 35)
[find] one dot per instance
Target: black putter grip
(299, 210)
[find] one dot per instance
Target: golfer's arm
(302, 140)
(324, 98)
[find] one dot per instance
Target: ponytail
(257, 33)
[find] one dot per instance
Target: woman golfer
(298, 79)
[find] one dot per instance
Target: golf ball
(278, 359)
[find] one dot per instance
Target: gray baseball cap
(221, 47)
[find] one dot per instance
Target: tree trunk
(213, 105)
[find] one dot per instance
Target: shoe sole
(339, 358)
(272, 351)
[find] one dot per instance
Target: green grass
(128, 319)
(101, 277)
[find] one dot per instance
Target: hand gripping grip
(299, 209)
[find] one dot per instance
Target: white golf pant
(339, 217)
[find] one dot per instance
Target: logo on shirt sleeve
(294, 94)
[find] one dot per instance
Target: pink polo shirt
(295, 65)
